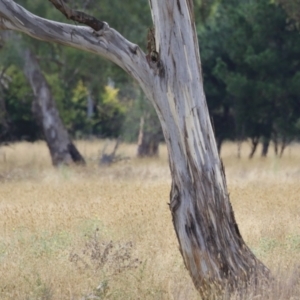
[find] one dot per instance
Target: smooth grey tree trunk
(62, 149)
(170, 75)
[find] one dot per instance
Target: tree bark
(62, 149)
(210, 242)
(170, 75)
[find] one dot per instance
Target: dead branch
(77, 16)
(108, 159)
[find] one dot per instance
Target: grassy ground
(75, 233)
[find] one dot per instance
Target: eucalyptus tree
(169, 73)
(61, 147)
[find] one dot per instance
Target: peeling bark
(210, 242)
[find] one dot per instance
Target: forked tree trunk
(170, 75)
(62, 149)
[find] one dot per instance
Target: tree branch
(78, 16)
(106, 42)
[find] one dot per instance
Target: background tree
(250, 57)
(61, 148)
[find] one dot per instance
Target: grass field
(106, 232)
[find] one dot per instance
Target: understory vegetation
(99, 232)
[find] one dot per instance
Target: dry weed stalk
(111, 258)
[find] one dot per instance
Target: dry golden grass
(55, 224)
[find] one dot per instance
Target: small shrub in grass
(108, 257)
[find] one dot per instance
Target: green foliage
(18, 98)
(250, 60)
(111, 112)
(76, 119)
(110, 102)
(205, 9)
(292, 8)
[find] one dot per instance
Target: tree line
(250, 59)
(251, 73)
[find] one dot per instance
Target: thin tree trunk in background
(254, 143)
(284, 143)
(62, 149)
(275, 141)
(240, 139)
(239, 148)
(219, 144)
(265, 147)
(148, 141)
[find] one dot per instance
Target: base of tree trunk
(254, 142)
(75, 154)
(214, 252)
